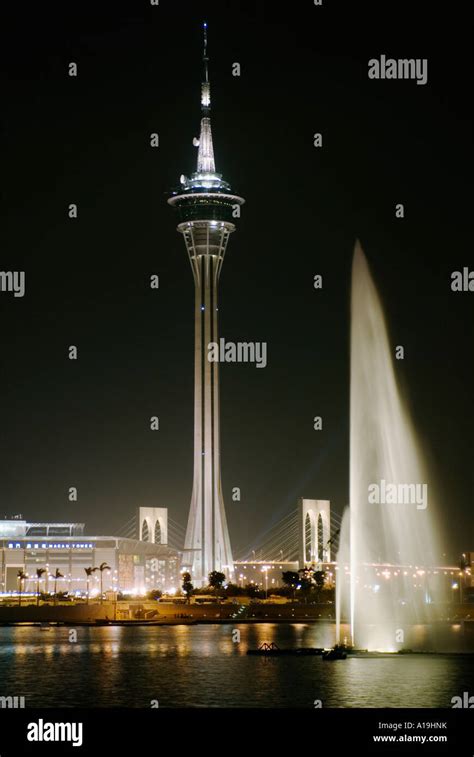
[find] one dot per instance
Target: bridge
(307, 534)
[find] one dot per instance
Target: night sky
(85, 140)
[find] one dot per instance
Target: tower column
(207, 545)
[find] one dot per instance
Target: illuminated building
(135, 566)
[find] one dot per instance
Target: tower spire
(205, 161)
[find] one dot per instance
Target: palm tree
(89, 572)
(103, 566)
(57, 575)
(291, 579)
(320, 578)
(187, 586)
(21, 575)
(39, 573)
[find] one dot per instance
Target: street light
(454, 586)
(265, 571)
(463, 567)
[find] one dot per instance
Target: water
(200, 666)
(389, 525)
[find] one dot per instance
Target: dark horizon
(85, 423)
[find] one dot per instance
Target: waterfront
(201, 666)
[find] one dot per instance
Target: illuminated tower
(206, 209)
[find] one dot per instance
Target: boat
(309, 651)
(336, 653)
(270, 650)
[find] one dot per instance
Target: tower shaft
(207, 544)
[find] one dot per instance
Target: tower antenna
(205, 85)
(204, 57)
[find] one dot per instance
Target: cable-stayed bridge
(307, 534)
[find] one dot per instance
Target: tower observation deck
(206, 209)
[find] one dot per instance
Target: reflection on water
(201, 666)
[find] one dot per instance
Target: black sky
(86, 140)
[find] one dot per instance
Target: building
(468, 561)
(135, 565)
(206, 208)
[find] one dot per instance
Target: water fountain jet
(392, 540)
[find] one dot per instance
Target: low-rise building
(136, 566)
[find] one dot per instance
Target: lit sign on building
(57, 545)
